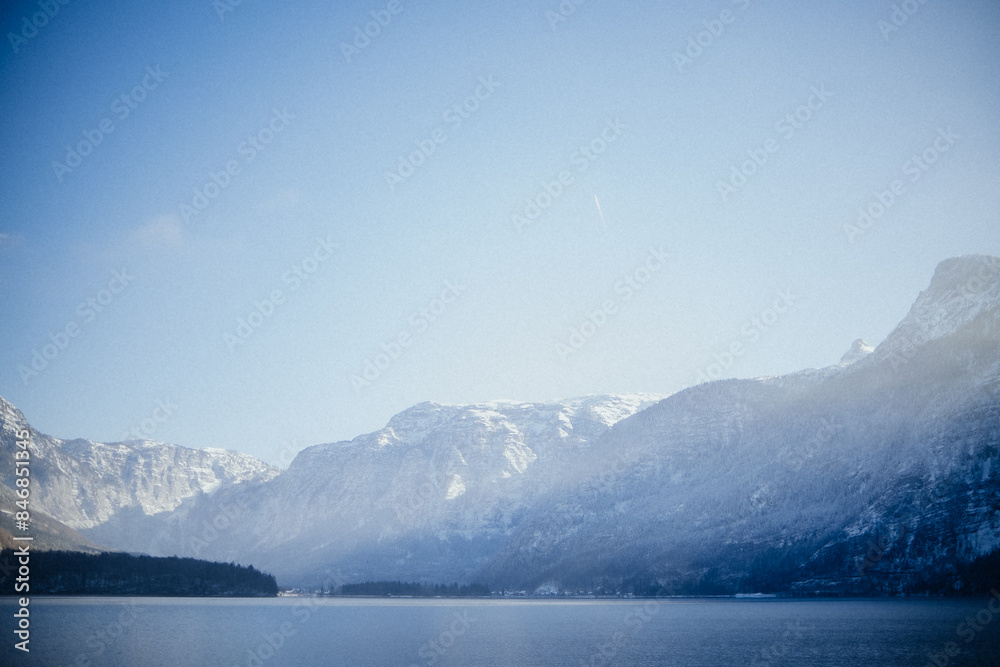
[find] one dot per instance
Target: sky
(263, 226)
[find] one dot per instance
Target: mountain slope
(47, 534)
(781, 483)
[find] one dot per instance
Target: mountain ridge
(82, 483)
(727, 486)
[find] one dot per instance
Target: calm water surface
(308, 631)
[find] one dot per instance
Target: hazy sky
(424, 199)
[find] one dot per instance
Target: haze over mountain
(878, 472)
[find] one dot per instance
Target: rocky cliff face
(83, 484)
(430, 495)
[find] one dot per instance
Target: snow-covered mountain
(83, 484)
(879, 471)
(437, 489)
(788, 482)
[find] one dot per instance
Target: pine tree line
(113, 573)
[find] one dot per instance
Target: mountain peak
(961, 289)
(11, 419)
(859, 350)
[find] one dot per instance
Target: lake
(340, 631)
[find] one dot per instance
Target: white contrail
(603, 222)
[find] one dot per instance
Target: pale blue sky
(553, 88)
